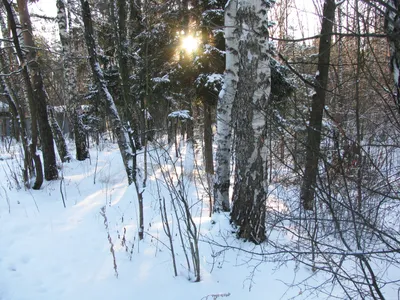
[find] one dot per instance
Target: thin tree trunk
(59, 139)
(307, 193)
(224, 110)
(16, 105)
(19, 119)
(131, 109)
(208, 151)
(29, 94)
(250, 115)
(358, 110)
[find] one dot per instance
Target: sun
(190, 43)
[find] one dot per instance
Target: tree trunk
(224, 109)
(131, 110)
(208, 151)
(307, 193)
(62, 148)
(128, 153)
(29, 94)
(19, 118)
(251, 149)
(39, 93)
(82, 151)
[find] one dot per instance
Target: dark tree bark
(208, 140)
(29, 93)
(131, 110)
(307, 193)
(39, 93)
(19, 119)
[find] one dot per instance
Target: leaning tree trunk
(392, 27)
(307, 193)
(29, 94)
(62, 148)
(39, 93)
(82, 151)
(127, 152)
(224, 109)
(250, 115)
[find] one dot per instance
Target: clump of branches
(176, 183)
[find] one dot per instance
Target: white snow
(180, 114)
(49, 252)
(164, 79)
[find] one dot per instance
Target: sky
(45, 7)
(303, 20)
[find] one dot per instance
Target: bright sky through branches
(190, 43)
(45, 7)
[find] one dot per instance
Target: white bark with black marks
(250, 115)
(224, 110)
(82, 151)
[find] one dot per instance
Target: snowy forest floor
(49, 252)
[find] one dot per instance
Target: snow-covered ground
(48, 252)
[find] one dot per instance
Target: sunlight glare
(190, 43)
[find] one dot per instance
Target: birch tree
(250, 114)
(82, 151)
(224, 109)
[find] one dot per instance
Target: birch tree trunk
(127, 152)
(82, 151)
(59, 139)
(307, 193)
(250, 114)
(224, 110)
